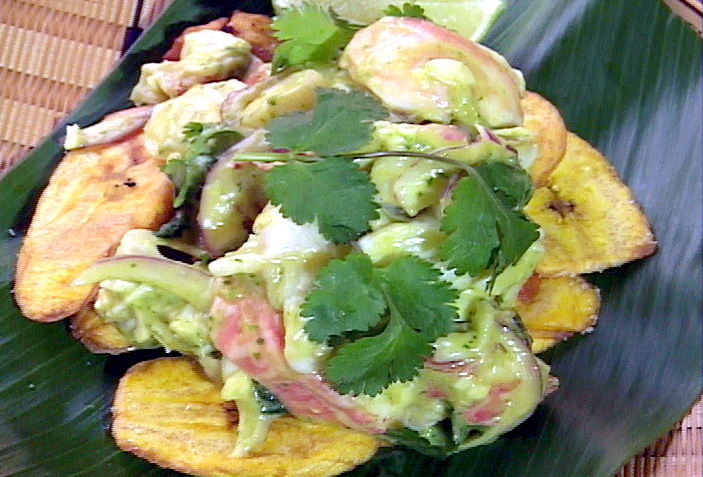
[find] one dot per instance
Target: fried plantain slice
(543, 344)
(96, 334)
(94, 196)
(167, 412)
(588, 216)
(554, 308)
(544, 121)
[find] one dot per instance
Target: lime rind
(471, 18)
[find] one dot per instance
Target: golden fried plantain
(554, 308)
(94, 196)
(588, 217)
(96, 334)
(544, 121)
(168, 412)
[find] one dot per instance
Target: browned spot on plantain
(562, 207)
(168, 412)
(81, 217)
(589, 219)
(96, 334)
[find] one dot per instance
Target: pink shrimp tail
(251, 336)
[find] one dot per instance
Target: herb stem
(297, 157)
(422, 155)
(274, 157)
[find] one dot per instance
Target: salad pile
(344, 237)
(388, 243)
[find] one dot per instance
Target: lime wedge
(471, 18)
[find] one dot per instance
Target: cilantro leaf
(407, 10)
(435, 441)
(192, 130)
(487, 230)
(340, 122)
(420, 296)
(333, 192)
(175, 226)
(512, 184)
(370, 364)
(344, 298)
(310, 35)
(407, 297)
(471, 223)
(187, 172)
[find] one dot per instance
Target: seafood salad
(329, 218)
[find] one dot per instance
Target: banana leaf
(626, 78)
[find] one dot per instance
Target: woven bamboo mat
(53, 51)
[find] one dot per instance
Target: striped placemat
(53, 51)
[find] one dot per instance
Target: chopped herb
(206, 142)
(407, 10)
(333, 192)
(175, 226)
(268, 403)
(340, 122)
(406, 302)
(310, 35)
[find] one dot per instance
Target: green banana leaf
(628, 79)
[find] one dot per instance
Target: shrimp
(431, 73)
(251, 336)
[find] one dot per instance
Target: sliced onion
(111, 128)
(193, 285)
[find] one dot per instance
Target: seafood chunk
(255, 106)
(206, 56)
(431, 73)
(163, 132)
(251, 336)
(174, 53)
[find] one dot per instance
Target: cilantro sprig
(319, 182)
(340, 122)
(486, 227)
(333, 192)
(406, 303)
(310, 35)
(206, 142)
